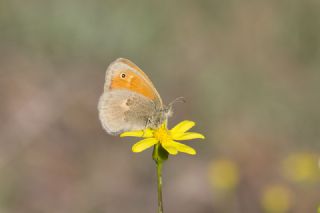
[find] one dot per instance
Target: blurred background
(249, 71)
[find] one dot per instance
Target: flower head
(276, 199)
(302, 167)
(224, 174)
(166, 138)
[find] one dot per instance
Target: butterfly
(129, 100)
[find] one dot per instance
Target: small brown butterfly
(130, 101)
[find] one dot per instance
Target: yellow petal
(146, 133)
(171, 149)
(144, 144)
(184, 148)
(182, 127)
(187, 136)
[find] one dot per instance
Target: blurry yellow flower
(276, 199)
(224, 174)
(166, 138)
(302, 167)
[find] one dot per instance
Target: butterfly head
(162, 115)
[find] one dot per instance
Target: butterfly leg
(148, 121)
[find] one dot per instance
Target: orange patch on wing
(135, 67)
(133, 82)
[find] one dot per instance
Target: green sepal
(159, 154)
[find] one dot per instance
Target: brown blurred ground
(249, 71)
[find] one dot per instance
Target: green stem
(159, 155)
(159, 175)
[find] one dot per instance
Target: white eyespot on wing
(124, 105)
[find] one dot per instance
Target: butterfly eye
(122, 75)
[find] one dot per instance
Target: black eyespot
(123, 75)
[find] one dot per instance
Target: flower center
(162, 134)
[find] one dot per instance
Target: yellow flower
(224, 174)
(276, 199)
(167, 138)
(302, 167)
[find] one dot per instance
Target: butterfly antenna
(177, 100)
(167, 112)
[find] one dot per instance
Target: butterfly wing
(129, 99)
(135, 80)
(123, 110)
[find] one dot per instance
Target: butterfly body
(129, 101)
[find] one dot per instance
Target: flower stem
(159, 175)
(159, 155)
